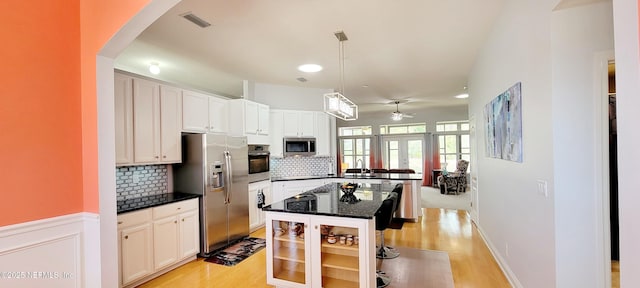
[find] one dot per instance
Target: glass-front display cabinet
(289, 252)
(320, 251)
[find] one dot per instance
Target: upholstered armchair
(454, 181)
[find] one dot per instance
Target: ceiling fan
(397, 115)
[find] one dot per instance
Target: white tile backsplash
(301, 166)
(137, 181)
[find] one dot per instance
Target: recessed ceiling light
(310, 68)
(154, 68)
(462, 96)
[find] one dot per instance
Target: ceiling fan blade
(408, 115)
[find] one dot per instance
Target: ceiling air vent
(196, 20)
(301, 79)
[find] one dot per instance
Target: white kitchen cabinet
(195, 112)
(189, 233)
(276, 133)
(203, 113)
(165, 242)
(136, 242)
(302, 257)
(218, 115)
(251, 119)
(155, 240)
(170, 122)
(156, 118)
(323, 134)
(298, 123)
(256, 215)
(123, 95)
(294, 123)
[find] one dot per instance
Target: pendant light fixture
(336, 104)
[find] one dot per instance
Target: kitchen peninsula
(285, 187)
(315, 240)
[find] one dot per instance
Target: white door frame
(601, 146)
(106, 130)
(473, 174)
(402, 149)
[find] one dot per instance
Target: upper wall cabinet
(293, 123)
(156, 123)
(218, 115)
(124, 118)
(276, 127)
(148, 121)
(298, 123)
(203, 114)
(251, 119)
(322, 131)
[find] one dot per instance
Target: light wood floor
(447, 230)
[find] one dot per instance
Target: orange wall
(48, 134)
(40, 129)
(100, 20)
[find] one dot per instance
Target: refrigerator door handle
(227, 159)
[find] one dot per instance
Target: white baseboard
(511, 277)
(62, 251)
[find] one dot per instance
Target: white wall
(551, 53)
(627, 91)
(288, 97)
(578, 35)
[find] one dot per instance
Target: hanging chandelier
(336, 104)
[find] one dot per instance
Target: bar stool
(383, 218)
(387, 252)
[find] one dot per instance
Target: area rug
(237, 252)
(431, 198)
(418, 268)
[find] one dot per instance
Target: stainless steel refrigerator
(216, 167)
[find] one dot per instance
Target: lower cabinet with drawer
(155, 240)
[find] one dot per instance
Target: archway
(106, 131)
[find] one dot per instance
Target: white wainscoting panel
(51, 252)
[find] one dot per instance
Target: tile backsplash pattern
(301, 166)
(138, 181)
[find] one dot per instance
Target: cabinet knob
(164, 156)
(126, 237)
(120, 222)
(176, 222)
(157, 157)
(179, 208)
(315, 227)
(182, 219)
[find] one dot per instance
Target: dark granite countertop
(374, 176)
(325, 200)
(138, 203)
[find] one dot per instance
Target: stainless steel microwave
(298, 146)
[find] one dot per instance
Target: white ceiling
(415, 50)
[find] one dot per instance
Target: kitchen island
(285, 187)
(315, 240)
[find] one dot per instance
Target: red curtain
(431, 164)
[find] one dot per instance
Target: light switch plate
(542, 188)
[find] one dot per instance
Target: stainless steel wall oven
(258, 163)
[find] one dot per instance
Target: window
(454, 143)
(355, 152)
(403, 129)
(452, 126)
(354, 131)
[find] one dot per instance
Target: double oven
(258, 163)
